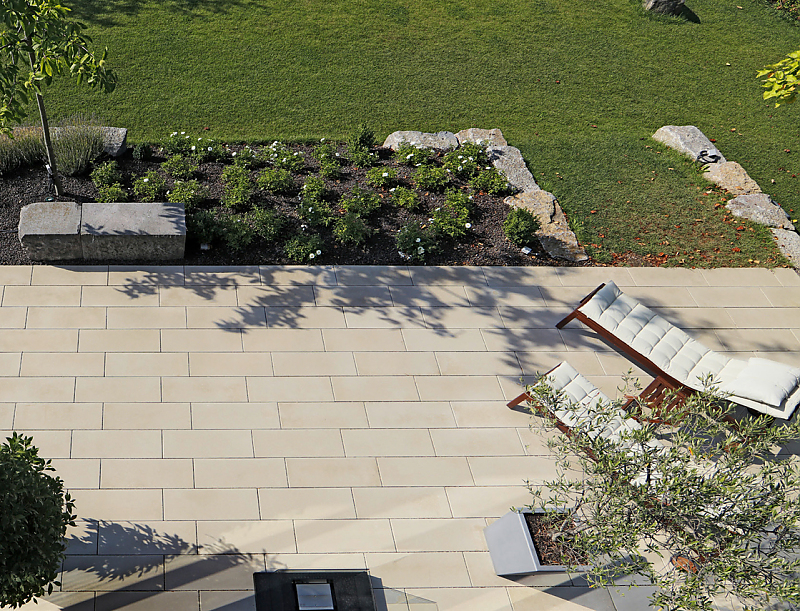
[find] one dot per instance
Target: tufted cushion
(765, 381)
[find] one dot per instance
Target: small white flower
(322, 139)
(385, 174)
(409, 156)
(311, 256)
(233, 154)
(417, 164)
(448, 171)
(199, 139)
(460, 168)
(295, 154)
(337, 154)
(319, 252)
(461, 157)
(470, 197)
(418, 239)
(193, 147)
(146, 180)
(209, 149)
(420, 250)
(392, 190)
(471, 159)
(468, 225)
(182, 133)
(310, 209)
(173, 134)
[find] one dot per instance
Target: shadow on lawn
(106, 14)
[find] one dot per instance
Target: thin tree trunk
(48, 144)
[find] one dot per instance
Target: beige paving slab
(246, 537)
(314, 364)
(147, 601)
(119, 389)
(534, 439)
(119, 504)
(458, 388)
(37, 390)
(13, 317)
(139, 275)
(533, 599)
(409, 414)
(521, 276)
(201, 340)
(273, 275)
(592, 277)
(429, 296)
(448, 274)
(412, 471)
(487, 296)
(441, 340)
(396, 363)
(312, 388)
(275, 295)
(363, 340)
(225, 317)
(146, 317)
(667, 277)
(137, 572)
(324, 562)
(729, 297)
(144, 363)
(147, 537)
(387, 442)
(523, 340)
(353, 296)
(297, 443)
(65, 318)
(146, 473)
(65, 416)
(332, 472)
(320, 536)
(10, 364)
(674, 296)
(82, 538)
(384, 318)
(476, 442)
(225, 275)
(439, 534)
(765, 318)
(41, 296)
(235, 416)
(230, 364)
(408, 570)
(16, 274)
(486, 501)
(760, 340)
(395, 502)
(208, 444)
(532, 317)
(487, 414)
(481, 570)
(511, 471)
(147, 416)
(196, 296)
(119, 340)
(325, 416)
(306, 503)
(210, 504)
(584, 340)
(753, 276)
(372, 275)
(484, 363)
(208, 388)
(281, 340)
(129, 295)
(239, 473)
(78, 472)
(618, 365)
(52, 275)
(116, 444)
(38, 340)
(51, 444)
(782, 297)
(463, 599)
(374, 388)
(6, 416)
(462, 318)
(305, 317)
(212, 572)
(787, 276)
(566, 296)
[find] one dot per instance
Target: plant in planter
(706, 512)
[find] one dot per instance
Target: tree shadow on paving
(106, 14)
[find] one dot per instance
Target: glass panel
(314, 596)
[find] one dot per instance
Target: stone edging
(748, 201)
(555, 235)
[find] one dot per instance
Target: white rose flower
(385, 174)
(418, 239)
(182, 133)
(468, 225)
(311, 256)
(319, 252)
(146, 180)
(193, 147)
(420, 250)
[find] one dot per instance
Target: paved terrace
(215, 422)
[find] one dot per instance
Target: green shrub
(431, 178)
(150, 188)
(112, 193)
(26, 148)
(382, 177)
(520, 227)
(245, 157)
(414, 242)
(358, 147)
(207, 150)
(203, 227)
(280, 156)
(315, 212)
(142, 152)
(405, 198)
(266, 223)
(236, 232)
(351, 229)
(304, 248)
(458, 198)
(327, 156)
(451, 219)
(361, 202)
(178, 142)
(408, 154)
(189, 193)
(237, 188)
(275, 180)
(77, 142)
(492, 182)
(313, 190)
(106, 174)
(180, 167)
(362, 158)
(466, 160)
(35, 514)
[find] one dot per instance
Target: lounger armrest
(574, 313)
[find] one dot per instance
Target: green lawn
(578, 87)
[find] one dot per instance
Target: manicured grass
(578, 87)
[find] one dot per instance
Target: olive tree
(702, 506)
(37, 43)
(781, 79)
(34, 515)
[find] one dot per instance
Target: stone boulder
(665, 7)
(760, 208)
(732, 177)
(489, 137)
(115, 139)
(789, 244)
(50, 231)
(689, 140)
(440, 141)
(509, 161)
(555, 236)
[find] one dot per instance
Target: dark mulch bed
(550, 552)
(484, 245)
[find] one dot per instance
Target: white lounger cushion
(765, 381)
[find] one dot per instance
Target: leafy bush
(458, 198)
(409, 154)
(142, 152)
(26, 148)
(313, 189)
(278, 155)
(452, 218)
(362, 158)
(236, 232)
(178, 143)
(351, 228)
(35, 514)
(106, 174)
(358, 147)
(304, 248)
(203, 227)
(275, 180)
(466, 160)
(431, 178)
(207, 150)
(315, 212)
(112, 193)
(150, 188)
(361, 202)
(77, 142)
(266, 223)
(520, 227)
(237, 188)
(405, 198)
(189, 193)
(245, 157)
(327, 156)
(414, 242)
(180, 167)
(381, 178)
(491, 181)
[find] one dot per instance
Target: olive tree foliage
(782, 79)
(37, 43)
(701, 508)
(34, 515)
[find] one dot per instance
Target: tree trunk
(48, 144)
